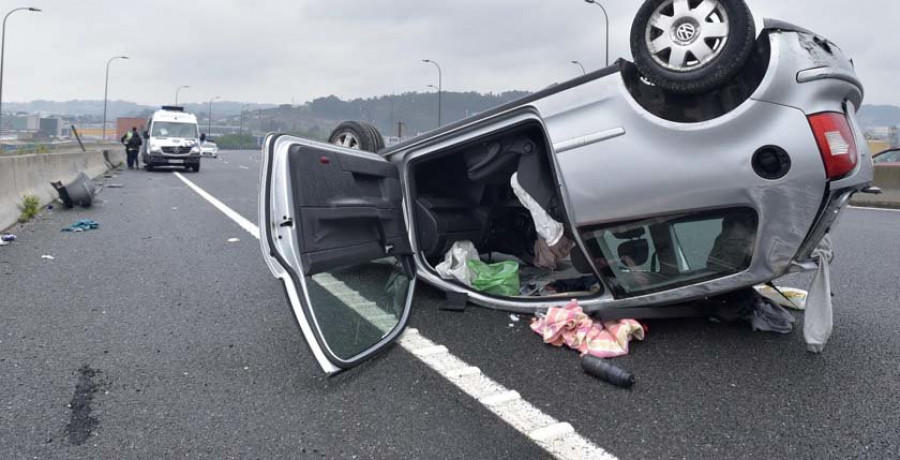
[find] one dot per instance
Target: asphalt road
(155, 336)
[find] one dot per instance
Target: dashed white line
(558, 438)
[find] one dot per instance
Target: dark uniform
(133, 142)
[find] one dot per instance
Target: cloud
(279, 50)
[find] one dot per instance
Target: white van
(172, 139)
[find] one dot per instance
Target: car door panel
(351, 211)
(333, 230)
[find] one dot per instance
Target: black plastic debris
(603, 370)
(79, 192)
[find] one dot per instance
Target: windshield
(174, 129)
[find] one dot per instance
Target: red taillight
(836, 143)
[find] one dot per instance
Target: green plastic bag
(498, 279)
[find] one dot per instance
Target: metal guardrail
(53, 147)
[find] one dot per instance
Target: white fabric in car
(455, 264)
(818, 318)
(547, 228)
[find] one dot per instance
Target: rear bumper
(828, 218)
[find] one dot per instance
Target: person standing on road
(132, 141)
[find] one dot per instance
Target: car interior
(464, 194)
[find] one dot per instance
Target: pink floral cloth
(570, 326)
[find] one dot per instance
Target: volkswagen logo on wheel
(686, 32)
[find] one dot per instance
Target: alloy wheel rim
(348, 140)
(686, 35)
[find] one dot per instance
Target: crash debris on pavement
(82, 225)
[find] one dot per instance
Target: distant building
(123, 125)
(51, 127)
(29, 126)
(26, 124)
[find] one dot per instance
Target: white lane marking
(558, 438)
(501, 398)
(549, 433)
(243, 167)
(862, 208)
(237, 218)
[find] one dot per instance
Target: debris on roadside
(604, 370)
(751, 307)
(234, 240)
(82, 226)
(8, 237)
(819, 315)
(79, 192)
(570, 326)
(787, 297)
(46, 257)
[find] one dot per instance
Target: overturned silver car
(717, 160)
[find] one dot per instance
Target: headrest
(638, 251)
(630, 234)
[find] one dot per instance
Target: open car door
(332, 229)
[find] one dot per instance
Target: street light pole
(241, 129)
(583, 72)
(106, 91)
(209, 118)
(178, 91)
(440, 86)
(2, 53)
(605, 16)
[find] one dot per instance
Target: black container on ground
(602, 369)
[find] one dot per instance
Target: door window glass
(174, 129)
(663, 253)
(889, 157)
(355, 308)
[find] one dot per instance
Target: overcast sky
(276, 51)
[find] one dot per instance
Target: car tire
(148, 167)
(196, 167)
(379, 139)
(692, 51)
(357, 135)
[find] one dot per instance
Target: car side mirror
(146, 135)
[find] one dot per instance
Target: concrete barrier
(887, 178)
(31, 174)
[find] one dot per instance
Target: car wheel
(148, 167)
(379, 139)
(357, 135)
(692, 46)
(196, 167)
